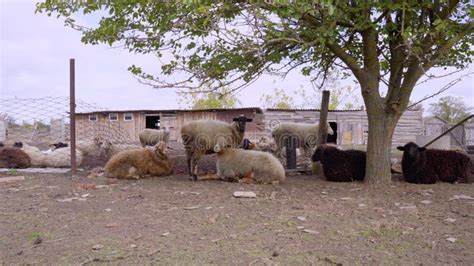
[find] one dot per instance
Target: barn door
(168, 121)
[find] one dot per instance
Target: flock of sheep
(237, 158)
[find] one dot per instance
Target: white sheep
(55, 158)
(94, 147)
(306, 134)
(37, 157)
(151, 137)
(248, 165)
(199, 138)
(61, 158)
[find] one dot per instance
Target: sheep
(13, 157)
(307, 135)
(56, 158)
(93, 147)
(428, 166)
(248, 165)
(140, 162)
(151, 137)
(37, 157)
(112, 149)
(341, 165)
(199, 138)
(62, 158)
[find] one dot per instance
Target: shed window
(128, 117)
(93, 117)
(113, 116)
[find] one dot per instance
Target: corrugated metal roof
(313, 110)
(257, 109)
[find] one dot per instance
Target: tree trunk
(381, 127)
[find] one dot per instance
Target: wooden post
(291, 142)
(72, 113)
(323, 129)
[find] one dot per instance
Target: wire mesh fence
(41, 128)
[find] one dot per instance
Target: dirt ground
(64, 219)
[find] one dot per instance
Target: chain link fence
(42, 124)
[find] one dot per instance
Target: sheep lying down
(13, 157)
(138, 163)
(427, 166)
(248, 166)
(341, 165)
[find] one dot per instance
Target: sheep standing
(140, 162)
(341, 165)
(199, 138)
(248, 165)
(13, 157)
(307, 135)
(151, 137)
(428, 166)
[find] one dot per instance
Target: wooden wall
(119, 131)
(122, 131)
(352, 125)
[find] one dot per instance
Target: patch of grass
(382, 232)
(36, 237)
(463, 243)
(333, 233)
(12, 171)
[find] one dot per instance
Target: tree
(279, 99)
(205, 99)
(383, 44)
(450, 108)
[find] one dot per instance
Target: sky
(34, 62)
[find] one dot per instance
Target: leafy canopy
(451, 109)
(203, 99)
(236, 41)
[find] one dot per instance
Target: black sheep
(428, 166)
(58, 145)
(341, 165)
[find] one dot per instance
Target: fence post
(72, 113)
(291, 142)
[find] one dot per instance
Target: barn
(125, 125)
(351, 126)
(461, 136)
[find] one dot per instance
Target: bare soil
(64, 219)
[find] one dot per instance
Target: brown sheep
(13, 157)
(138, 163)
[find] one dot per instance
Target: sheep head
(318, 154)
(241, 122)
(160, 150)
(220, 147)
(18, 144)
(411, 151)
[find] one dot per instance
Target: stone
(244, 194)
